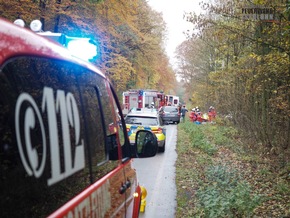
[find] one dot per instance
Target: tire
(162, 149)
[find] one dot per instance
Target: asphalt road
(157, 175)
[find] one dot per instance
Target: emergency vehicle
(64, 147)
(142, 98)
(172, 100)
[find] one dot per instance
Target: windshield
(144, 121)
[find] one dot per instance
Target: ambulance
(172, 100)
(64, 149)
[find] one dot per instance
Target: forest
(237, 57)
(129, 34)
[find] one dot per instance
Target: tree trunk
(57, 17)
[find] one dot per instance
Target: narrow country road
(157, 175)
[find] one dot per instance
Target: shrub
(199, 139)
(225, 196)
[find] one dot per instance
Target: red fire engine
(63, 153)
(142, 98)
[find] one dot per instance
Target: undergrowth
(217, 177)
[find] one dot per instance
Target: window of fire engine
(120, 128)
(102, 134)
(42, 135)
(56, 119)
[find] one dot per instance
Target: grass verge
(217, 175)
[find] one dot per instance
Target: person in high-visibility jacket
(199, 116)
(192, 115)
(211, 113)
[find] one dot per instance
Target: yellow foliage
(120, 71)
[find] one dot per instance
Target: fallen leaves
(263, 172)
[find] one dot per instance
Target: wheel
(162, 149)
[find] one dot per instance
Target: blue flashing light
(83, 48)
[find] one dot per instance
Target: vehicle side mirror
(146, 143)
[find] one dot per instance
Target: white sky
(173, 11)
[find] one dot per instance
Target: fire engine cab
(142, 98)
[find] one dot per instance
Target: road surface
(157, 175)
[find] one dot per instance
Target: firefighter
(199, 118)
(192, 115)
(213, 113)
(210, 114)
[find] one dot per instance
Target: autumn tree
(246, 66)
(129, 35)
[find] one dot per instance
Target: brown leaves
(265, 173)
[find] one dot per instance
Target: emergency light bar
(83, 48)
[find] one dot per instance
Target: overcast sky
(173, 11)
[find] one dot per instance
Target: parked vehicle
(148, 119)
(64, 148)
(142, 98)
(170, 114)
(172, 100)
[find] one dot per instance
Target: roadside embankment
(218, 174)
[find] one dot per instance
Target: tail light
(157, 131)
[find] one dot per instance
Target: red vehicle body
(142, 98)
(63, 143)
